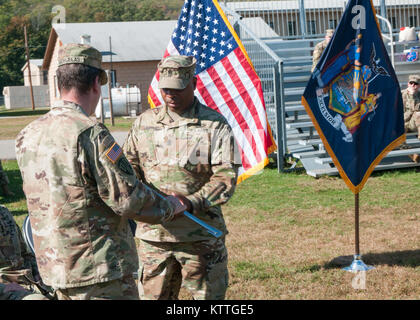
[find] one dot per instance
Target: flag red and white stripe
(228, 85)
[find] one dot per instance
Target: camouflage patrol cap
(176, 72)
(83, 54)
(414, 77)
(329, 32)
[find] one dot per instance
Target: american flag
(114, 153)
(226, 79)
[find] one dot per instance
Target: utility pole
(29, 67)
(111, 109)
(110, 51)
(110, 85)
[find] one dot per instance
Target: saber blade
(213, 231)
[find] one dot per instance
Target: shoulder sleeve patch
(114, 153)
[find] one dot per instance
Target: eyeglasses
(413, 83)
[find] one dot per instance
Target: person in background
(320, 47)
(411, 102)
(19, 277)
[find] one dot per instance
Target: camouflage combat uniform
(19, 294)
(320, 47)
(17, 263)
(190, 154)
(411, 106)
(80, 191)
(318, 50)
(3, 176)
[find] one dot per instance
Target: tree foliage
(37, 16)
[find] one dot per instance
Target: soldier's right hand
(179, 207)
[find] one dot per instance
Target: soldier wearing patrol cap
(320, 47)
(186, 149)
(81, 190)
(411, 102)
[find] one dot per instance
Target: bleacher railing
(262, 24)
(269, 67)
(297, 19)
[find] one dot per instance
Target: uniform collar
(69, 105)
(169, 118)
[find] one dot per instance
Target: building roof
(294, 5)
(36, 62)
(130, 41)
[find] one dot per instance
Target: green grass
(290, 235)
(298, 190)
(22, 112)
(10, 127)
(17, 203)
(120, 124)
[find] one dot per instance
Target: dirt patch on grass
(291, 257)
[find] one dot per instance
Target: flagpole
(357, 264)
(356, 222)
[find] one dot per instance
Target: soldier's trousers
(200, 267)
(413, 124)
(120, 289)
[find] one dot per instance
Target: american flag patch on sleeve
(114, 153)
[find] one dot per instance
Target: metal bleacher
(302, 141)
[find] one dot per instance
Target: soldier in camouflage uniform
(186, 149)
(19, 278)
(411, 102)
(4, 183)
(81, 190)
(320, 47)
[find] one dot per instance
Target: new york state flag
(353, 96)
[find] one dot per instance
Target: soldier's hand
(184, 201)
(179, 206)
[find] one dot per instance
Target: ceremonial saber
(213, 231)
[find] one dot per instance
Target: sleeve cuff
(195, 202)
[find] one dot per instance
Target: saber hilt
(213, 231)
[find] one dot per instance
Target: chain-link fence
(296, 19)
(269, 69)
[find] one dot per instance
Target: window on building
(44, 77)
(113, 75)
(332, 24)
(394, 23)
(413, 21)
(311, 27)
(292, 28)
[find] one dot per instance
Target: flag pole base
(358, 265)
